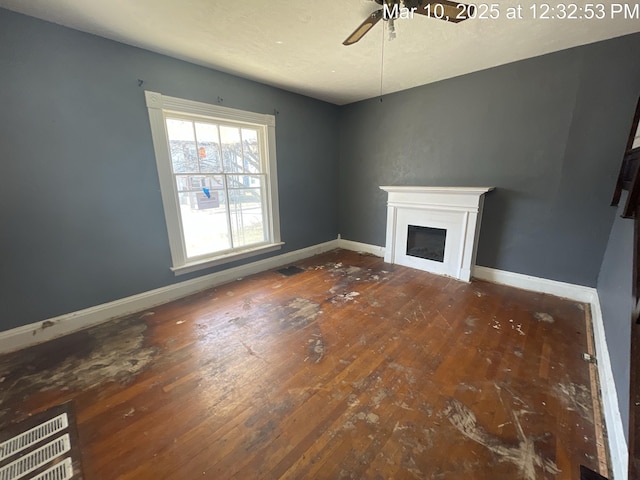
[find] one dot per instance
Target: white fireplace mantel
(458, 210)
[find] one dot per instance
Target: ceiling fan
(392, 9)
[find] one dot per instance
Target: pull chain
(382, 62)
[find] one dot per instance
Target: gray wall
(615, 292)
(81, 219)
(81, 213)
(548, 132)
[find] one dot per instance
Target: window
(217, 170)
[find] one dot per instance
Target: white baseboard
(38, 332)
(360, 247)
(615, 430)
(618, 448)
(535, 284)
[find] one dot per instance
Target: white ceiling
(297, 44)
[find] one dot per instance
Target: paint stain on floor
(315, 349)
(470, 322)
(298, 313)
(543, 317)
(347, 276)
(523, 455)
(576, 398)
(114, 352)
(345, 297)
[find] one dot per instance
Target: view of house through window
(219, 179)
(216, 167)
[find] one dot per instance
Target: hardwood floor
(352, 368)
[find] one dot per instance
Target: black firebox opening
(426, 242)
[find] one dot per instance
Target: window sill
(222, 259)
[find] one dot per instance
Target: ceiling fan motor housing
(412, 3)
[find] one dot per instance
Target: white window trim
(157, 105)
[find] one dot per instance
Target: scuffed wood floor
(351, 369)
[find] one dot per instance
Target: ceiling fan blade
(364, 27)
(445, 10)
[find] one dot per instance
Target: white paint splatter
(543, 317)
(470, 322)
(318, 350)
(379, 397)
(523, 456)
(346, 297)
(371, 418)
(576, 398)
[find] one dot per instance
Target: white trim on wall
(38, 332)
(360, 247)
(618, 448)
(535, 284)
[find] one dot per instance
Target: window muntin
(218, 181)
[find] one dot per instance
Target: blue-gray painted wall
(548, 132)
(615, 293)
(81, 218)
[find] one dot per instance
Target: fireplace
(434, 228)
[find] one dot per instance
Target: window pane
(182, 145)
(247, 216)
(203, 183)
(208, 148)
(244, 181)
(251, 151)
(231, 149)
(204, 220)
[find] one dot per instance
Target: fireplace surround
(434, 228)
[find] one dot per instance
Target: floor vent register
(44, 447)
